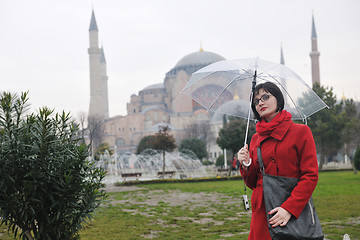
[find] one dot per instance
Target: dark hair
(271, 88)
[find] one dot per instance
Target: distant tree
(198, 146)
(351, 119)
(219, 161)
(145, 143)
(164, 142)
(48, 188)
(232, 135)
(202, 131)
(82, 120)
(207, 162)
(101, 149)
(357, 159)
(327, 125)
(95, 127)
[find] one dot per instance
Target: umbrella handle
(248, 121)
(251, 99)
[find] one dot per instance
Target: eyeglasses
(263, 98)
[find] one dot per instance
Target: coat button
(273, 160)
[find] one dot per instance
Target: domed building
(162, 103)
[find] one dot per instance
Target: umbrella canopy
(226, 86)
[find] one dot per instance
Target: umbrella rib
(292, 100)
(207, 74)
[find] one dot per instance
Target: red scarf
(266, 128)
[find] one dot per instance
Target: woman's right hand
(243, 156)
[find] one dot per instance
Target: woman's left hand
(281, 217)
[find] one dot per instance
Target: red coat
(289, 150)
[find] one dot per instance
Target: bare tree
(201, 131)
(192, 131)
(82, 120)
(95, 127)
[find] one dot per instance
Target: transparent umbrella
(226, 87)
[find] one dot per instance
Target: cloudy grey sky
(43, 43)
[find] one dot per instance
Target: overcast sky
(43, 43)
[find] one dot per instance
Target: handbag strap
(261, 163)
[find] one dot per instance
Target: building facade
(162, 103)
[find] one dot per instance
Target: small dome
(155, 86)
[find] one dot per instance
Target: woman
(288, 149)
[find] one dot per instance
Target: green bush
(357, 159)
(145, 143)
(48, 188)
(207, 162)
(220, 160)
(196, 145)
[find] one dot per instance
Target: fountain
(149, 165)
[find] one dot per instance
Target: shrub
(207, 162)
(220, 160)
(196, 145)
(48, 188)
(357, 159)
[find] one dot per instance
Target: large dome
(195, 61)
(199, 58)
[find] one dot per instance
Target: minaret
(282, 61)
(97, 103)
(314, 55)
(104, 83)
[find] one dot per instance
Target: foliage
(164, 142)
(145, 143)
(219, 161)
(232, 135)
(196, 145)
(95, 127)
(351, 120)
(333, 127)
(207, 162)
(176, 180)
(161, 141)
(202, 131)
(48, 189)
(357, 159)
(101, 149)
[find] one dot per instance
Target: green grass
(213, 210)
(337, 201)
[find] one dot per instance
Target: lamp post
(224, 123)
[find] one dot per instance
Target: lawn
(212, 210)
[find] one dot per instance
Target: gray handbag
(276, 190)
